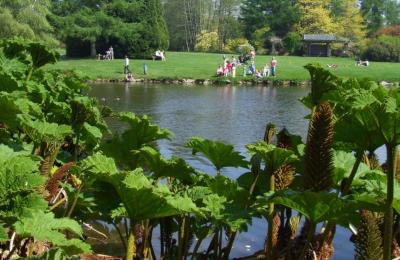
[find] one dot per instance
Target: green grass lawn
(203, 66)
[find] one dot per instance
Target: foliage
(392, 31)
(138, 31)
(383, 48)
(236, 45)
(279, 16)
(293, 43)
(41, 119)
(26, 19)
(221, 155)
(350, 22)
(314, 18)
(207, 42)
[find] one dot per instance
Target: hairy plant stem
(310, 235)
(347, 184)
(71, 209)
(131, 247)
(268, 248)
(29, 75)
(228, 248)
(120, 235)
(181, 237)
(147, 238)
(329, 231)
(196, 248)
(58, 203)
(388, 231)
(220, 243)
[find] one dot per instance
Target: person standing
(111, 53)
(126, 68)
(274, 64)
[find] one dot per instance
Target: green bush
(207, 42)
(238, 45)
(383, 48)
(293, 43)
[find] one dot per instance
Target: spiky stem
(181, 238)
(196, 248)
(347, 184)
(121, 237)
(131, 248)
(388, 232)
(71, 209)
(269, 245)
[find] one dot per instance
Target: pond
(236, 115)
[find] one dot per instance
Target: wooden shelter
(318, 44)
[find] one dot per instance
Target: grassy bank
(183, 65)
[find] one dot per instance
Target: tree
(26, 19)
(372, 11)
(136, 28)
(315, 18)
(392, 12)
(279, 16)
(349, 19)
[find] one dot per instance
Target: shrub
(207, 42)
(293, 43)
(383, 48)
(393, 31)
(237, 45)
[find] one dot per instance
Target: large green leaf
(322, 82)
(143, 200)
(141, 131)
(318, 206)
(99, 164)
(161, 167)
(220, 154)
(8, 82)
(124, 148)
(90, 135)
(40, 131)
(14, 104)
(228, 203)
(272, 156)
(45, 227)
(3, 234)
(343, 163)
(41, 55)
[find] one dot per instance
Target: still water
(236, 115)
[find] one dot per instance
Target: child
(220, 71)
(265, 71)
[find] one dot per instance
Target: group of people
(362, 63)
(229, 67)
(159, 55)
(109, 55)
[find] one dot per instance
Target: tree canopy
(134, 28)
(26, 18)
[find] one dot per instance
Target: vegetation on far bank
(184, 65)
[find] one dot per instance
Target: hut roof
(319, 38)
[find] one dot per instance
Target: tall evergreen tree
(279, 16)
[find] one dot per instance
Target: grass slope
(203, 66)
